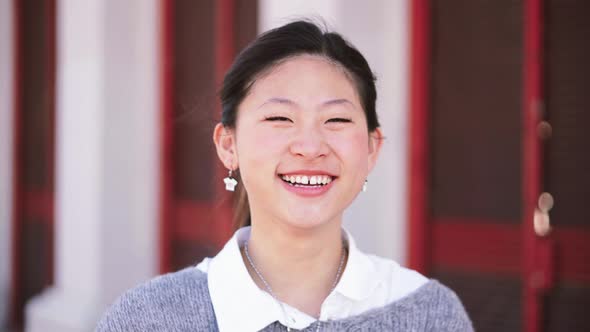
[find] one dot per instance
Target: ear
(225, 143)
(375, 143)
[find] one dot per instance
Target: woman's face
(301, 143)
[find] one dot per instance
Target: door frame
(418, 156)
(532, 156)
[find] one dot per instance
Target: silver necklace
(269, 289)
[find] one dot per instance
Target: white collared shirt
(367, 282)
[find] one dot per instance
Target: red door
(490, 133)
(199, 43)
(33, 181)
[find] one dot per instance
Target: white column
(107, 160)
(272, 14)
(6, 145)
(379, 29)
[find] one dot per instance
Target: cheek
(259, 152)
(260, 143)
(353, 147)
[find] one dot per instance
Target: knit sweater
(180, 301)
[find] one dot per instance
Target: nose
(309, 143)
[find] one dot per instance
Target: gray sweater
(180, 302)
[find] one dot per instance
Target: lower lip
(307, 191)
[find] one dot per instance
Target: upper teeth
(306, 179)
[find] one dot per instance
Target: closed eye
(342, 120)
(277, 118)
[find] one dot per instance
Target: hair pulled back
(273, 46)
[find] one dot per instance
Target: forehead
(307, 78)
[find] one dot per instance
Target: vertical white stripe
(378, 217)
(273, 13)
(130, 145)
(79, 143)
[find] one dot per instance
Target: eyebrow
(338, 102)
(286, 101)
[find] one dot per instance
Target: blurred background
(108, 175)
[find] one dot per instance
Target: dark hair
(292, 39)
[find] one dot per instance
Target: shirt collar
(234, 294)
(358, 279)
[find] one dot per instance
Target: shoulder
(437, 307)
(175, 301)
(415, 298)
(431, 307)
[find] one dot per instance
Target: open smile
(307, 185)
(307, 180)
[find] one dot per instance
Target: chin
(308, 220)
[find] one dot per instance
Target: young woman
(300, 128)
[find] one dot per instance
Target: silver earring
(230, 182)
(365, 185)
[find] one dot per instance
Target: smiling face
(301, 143)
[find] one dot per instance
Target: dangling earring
(365, 185)
(230, 182)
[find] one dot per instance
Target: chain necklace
(269, 289)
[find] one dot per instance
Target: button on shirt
(366, 283)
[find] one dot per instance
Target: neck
(299, 264)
